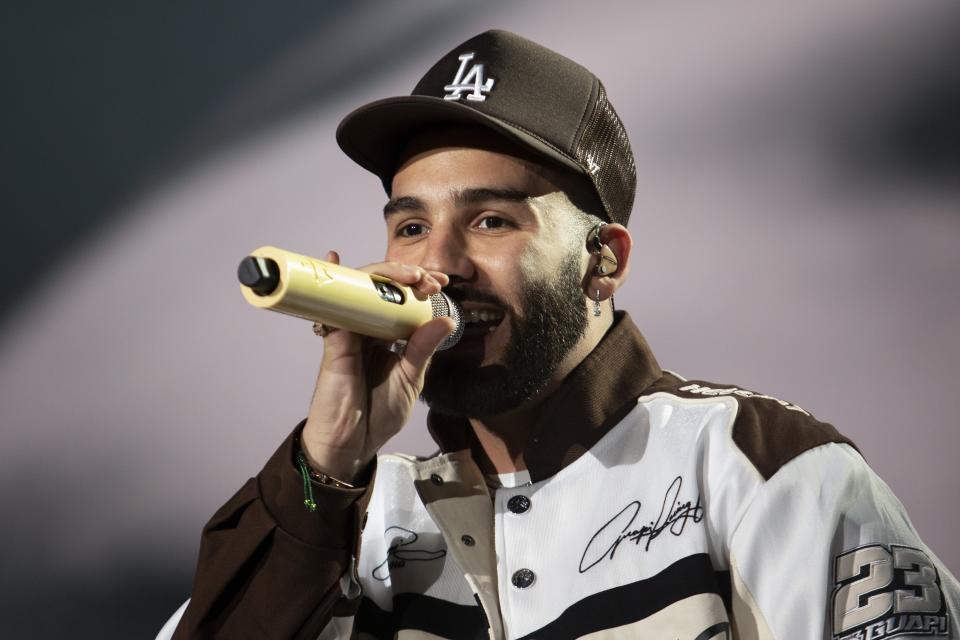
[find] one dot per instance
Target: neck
(504, 437)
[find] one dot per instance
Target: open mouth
(481, 321)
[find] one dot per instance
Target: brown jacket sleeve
(268, 568)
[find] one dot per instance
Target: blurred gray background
(797, 223)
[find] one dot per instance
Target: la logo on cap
(473, 81)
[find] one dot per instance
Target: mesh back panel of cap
(604, 144)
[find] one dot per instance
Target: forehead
(468, 156)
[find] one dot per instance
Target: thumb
(423, 343)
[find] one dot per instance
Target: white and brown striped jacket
(657, 507)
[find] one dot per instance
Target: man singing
(579, 490)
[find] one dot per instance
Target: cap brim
(375, 134)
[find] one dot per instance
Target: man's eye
(410, 230)
(492, 222)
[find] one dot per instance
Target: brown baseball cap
(519, 89)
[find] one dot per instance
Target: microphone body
(341, 297)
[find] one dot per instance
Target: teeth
(483, 315)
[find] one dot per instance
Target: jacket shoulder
(769, 431)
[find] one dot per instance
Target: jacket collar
(596, 395)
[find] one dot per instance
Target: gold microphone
(365, 303)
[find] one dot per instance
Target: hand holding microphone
(364, 393)
(345, 298)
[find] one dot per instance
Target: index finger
(410, 275)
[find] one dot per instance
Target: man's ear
(609, 259)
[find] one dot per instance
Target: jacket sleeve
(267, 567)
(825, 550)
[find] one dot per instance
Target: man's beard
(555, 319)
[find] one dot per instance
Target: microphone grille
(444, 307)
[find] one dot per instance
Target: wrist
(314, 476)
(311, 477)
(335, 470)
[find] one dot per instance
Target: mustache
(460, 293)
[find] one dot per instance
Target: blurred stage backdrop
(798, 201)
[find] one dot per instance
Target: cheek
(510, 273)
(539, 263)
(530, 262)
(399, 253)
(499, 273)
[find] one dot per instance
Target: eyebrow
(474, 195)
(405, 203)
(488, 194)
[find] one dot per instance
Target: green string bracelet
(308, 501)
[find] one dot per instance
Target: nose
(446, 251)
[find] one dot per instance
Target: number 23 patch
(884, 592)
